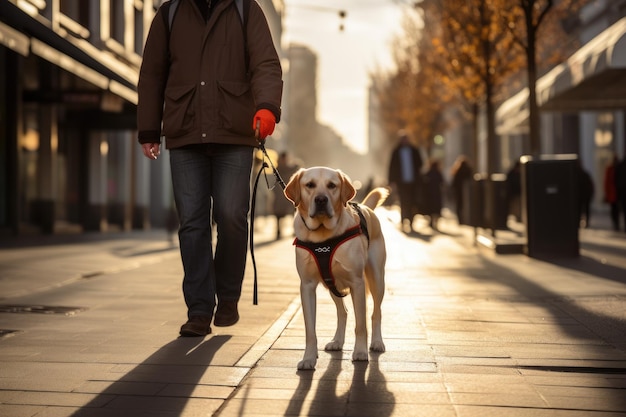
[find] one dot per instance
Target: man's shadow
(163, 382)
(367, 394)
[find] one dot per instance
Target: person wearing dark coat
(586, 191)
(281, 206)
(434, 184)
(405, 177)
(210, 83)
(620, 184)
(610, 191)
(514, 190)
(461, 174)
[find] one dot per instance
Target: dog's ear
(347, 189)
(292, 190)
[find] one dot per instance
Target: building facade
(581, 101)
(69, 157)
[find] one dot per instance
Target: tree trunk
(533, 116)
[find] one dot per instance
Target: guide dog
(340, 244)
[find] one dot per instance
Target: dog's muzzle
(320, 204)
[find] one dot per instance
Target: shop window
(28, 147)
(139, 28)
(605, 126)
(74, 17)
(116, 20)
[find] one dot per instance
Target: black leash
(279, 180)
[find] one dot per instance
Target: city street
(89, 327)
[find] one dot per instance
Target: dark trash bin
(474, 197)
(550, 205)
(496, 210)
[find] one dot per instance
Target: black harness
(323, 252)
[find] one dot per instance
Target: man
(281, 206)
(405, 176)
(620, 184)
(210, 76)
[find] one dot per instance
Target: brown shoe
(226, 314)
(196, 326)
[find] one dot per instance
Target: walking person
(461, 174)
(586, 191)
(405, 177)
(210, 76)
(434, 184)
(620, 185)
(610, 191)
(281, 206)
(514, 191)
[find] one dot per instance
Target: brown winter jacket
(207, 97)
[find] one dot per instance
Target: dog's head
(319, 194)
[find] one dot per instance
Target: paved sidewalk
(468, 333)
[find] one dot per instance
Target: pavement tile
(468, 333)
(21, 410)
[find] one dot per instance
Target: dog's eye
(310, 184)
(332, 185)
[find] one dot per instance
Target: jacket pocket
(236, 108)
(178, 114)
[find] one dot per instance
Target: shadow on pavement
(164, 382)
(593, 267)
(29, 241)
(413, 234)
(366, 395)
(607, 248)
(610, 329)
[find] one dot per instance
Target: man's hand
(151, 150)
(265, 122)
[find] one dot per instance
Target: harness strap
(362, 220)
(323, 252)
(279, 180)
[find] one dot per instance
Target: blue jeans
(212, 188)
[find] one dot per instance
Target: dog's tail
(376, 197)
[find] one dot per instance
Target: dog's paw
(307, 364)
(333, 346)
(359, 356)
(377, 346)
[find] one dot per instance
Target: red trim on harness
(323, 253)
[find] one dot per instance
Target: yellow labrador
(341, 245)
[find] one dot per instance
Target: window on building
(139, 27)
(116, 28)
(74, 17)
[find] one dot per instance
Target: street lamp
(411, 3)
(340, 12)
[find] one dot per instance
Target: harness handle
(257, 135)
(255, 291)
(279, 180)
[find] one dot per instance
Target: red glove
(265, 121)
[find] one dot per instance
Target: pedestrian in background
(620, 185)
(281, 206)
(209, 79)
(610, 191)
(461, 173)
(405, 178)
(586, 191)
(514, 191)
(434, 185)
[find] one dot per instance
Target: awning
(14, 39)
(26, 35)
(593, 78)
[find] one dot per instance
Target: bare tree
(410, 97)
(476, 55)
(525, 20)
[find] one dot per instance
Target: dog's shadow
(365, 394)
(416, 234)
